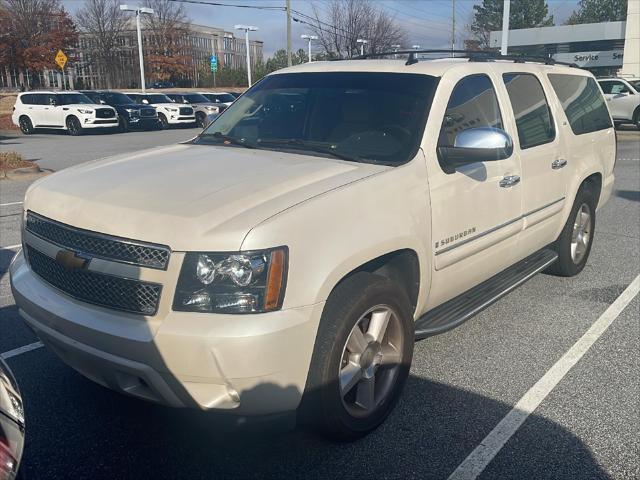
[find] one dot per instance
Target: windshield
(358, 116)
(221, 97)
(154, 98)
(71, 98)
(196, 98)
(117, 98)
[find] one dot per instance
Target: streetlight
(395, 49)
(309, 38)
(247, 29)
(139, 11)
(362, 43)
(415, 47)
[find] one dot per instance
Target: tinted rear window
(582, 102)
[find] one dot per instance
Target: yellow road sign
(61, 59)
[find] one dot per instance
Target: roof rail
(472, 55)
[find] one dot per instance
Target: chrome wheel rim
(581, 235)
(370, 361)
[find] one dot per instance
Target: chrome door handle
(509, 181)
(558, 164)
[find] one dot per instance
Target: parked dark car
(162, 84)
(131, 115)
(11, 424)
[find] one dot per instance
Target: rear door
(37, 108)
(54, 112)
(543, 163)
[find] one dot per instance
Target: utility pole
(289, 62)
(453, 26)
(139, 11)
(505, 27)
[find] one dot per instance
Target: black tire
(636, 118)
(26, 126)
(164, 123)
(323, 406)
(567, 264)
(123, 124)
(201, 119)
(73, 126)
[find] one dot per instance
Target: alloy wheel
(370, 361)
(581, 235)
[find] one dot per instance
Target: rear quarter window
(27, 99)
(582, 102)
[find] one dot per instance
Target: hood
(136, 106)
(86, 105)
(189, 197)
(163, 105)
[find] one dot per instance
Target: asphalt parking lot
(462, 384)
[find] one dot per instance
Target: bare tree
(345, 21)
(102, 23)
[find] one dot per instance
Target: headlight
(172, 109)
(215, 109)
(243, 282)
(85, 111)
(134, 112)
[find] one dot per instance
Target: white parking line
(482, 455)
(10, 203)
(20, 350)
(11, 247)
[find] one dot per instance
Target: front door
(620, 99)
(544, 165)
(476, 209)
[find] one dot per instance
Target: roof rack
(472, 55)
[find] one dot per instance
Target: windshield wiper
(228, 139)
(298, 144)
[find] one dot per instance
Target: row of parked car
(83, 110)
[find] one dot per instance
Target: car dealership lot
(462, 383)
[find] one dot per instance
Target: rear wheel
(636, 118)
(164, 123)
(73, 126)
(26, 126)
(361, 358)
(574, 243)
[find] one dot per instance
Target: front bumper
(244, 364)
(90, 122)
(180, 120)
(143, 123)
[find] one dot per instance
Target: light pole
(415, 47)
(395, 49)
(505, 27)
(139, 11)
(309, 38)
(362, 43)
(247, 29)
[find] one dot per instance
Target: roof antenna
(412, 59)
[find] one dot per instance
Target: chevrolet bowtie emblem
(71, 260)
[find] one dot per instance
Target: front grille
(117, 293)
(102, 122)
(105, 113)
(186, 111)
(147, 112)
(109, 248)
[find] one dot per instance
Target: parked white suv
(71, 111)
(623, 99)
(169, 113)
(288, 256)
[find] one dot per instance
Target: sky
(427, 22)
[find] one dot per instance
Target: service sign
(609, 58)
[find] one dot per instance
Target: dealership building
(611, 48)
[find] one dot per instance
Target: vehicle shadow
(633, 195)
(77, 429)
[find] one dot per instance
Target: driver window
(618, 87)
(473, 104)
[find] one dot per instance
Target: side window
(530, 107)
(582, 102)
(618, 87)
(27, 99)
(473, 103)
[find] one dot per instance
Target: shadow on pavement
(76, 429)
(633, 195)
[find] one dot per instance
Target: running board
(461, 308)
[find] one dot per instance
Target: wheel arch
(594, 181)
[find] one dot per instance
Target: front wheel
(573, 246)
(361, 359)
(636, 118)
(123, 124)
(201, 120)
(164, 123)
(73, 126)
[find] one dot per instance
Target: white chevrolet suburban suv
(71, 111)
(288, 256)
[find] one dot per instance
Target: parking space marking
(477, 461)
(11, 247)
(20, 350)
(9, 204)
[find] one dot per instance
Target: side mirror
(185, 101)
(145, 101)
(102, 102)
(53, 102)
(484, 144)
